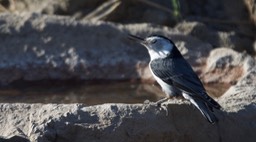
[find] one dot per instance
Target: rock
(135, 122)
(216, 38)
(14, 139)
(225, 65)
(242, 95)
(40, 47)
(72, 50)
(123, 122)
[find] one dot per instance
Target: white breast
(165, 87)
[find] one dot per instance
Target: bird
(175, 75)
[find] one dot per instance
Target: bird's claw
(164, 107)
(158, 104)
(147, 102)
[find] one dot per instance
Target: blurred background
(235, 16)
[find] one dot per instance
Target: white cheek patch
(153, 54)
(161, 53)
(156, 55)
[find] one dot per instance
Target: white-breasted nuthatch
(175, 75)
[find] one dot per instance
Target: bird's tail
(205, 110)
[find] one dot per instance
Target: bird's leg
(159, 102)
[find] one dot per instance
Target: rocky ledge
(125, 122)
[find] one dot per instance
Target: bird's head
(157, 46)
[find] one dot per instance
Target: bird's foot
(147, 102)
(159, 104)
(163, 106)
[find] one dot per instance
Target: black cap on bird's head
(158, 46)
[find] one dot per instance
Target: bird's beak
(137, 39)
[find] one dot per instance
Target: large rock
(242, 95)
(122, 122)
(50, 47)
(225, 65)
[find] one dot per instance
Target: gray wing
(181, 75)
(178, 73)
